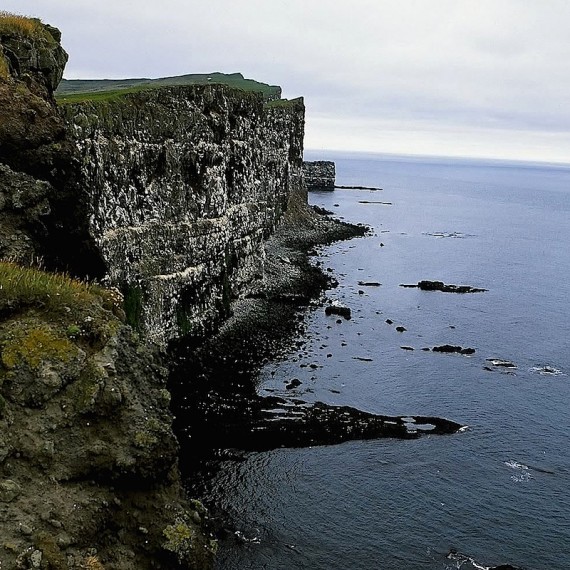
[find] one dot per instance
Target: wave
(523, 471)
(456, 235)
(464, 562)
(547, 370)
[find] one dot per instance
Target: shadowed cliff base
(214, 382)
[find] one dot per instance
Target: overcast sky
(484, 78)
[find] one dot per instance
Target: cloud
(460, 67)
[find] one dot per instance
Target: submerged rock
(441, 286)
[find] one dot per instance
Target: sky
(475, 78)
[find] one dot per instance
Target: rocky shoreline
(219, 396)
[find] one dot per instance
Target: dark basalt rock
(451, 348)
(272, 424)
(338, 310)
(441, 286)
(369, 283)
(319, 174)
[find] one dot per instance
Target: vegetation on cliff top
(72, 310)
(28, 286)
(77, 90)
(22, 25)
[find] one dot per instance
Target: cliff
(166, 196)
(88, 460)
(182, 185)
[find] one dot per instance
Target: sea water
(499, 491)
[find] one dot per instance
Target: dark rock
(451, 348)
(319, 174)
(441, 286)
(338, 310)
(390, 321)
(322, 211)
(322, 424)
(371, 188)
(406, 348)
(294, 383)
(369, 283)
(401, 329)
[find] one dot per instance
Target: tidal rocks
(441, 286)
(371, 188)
(340, 310)
(456, 349)
(319, 174)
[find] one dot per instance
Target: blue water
(499, 491)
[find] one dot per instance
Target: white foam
(523, 471)
(547, 371)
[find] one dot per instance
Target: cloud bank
(446, 77)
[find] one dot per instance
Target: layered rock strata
(182, 186)
(320, 174)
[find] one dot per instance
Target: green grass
(23, 287)
(99, 96)
(78, 90)
(45, 317)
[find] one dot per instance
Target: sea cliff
(130, 221)
(182, 186)
(166, 197)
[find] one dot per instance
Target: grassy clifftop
(75, 90)
(22, 25)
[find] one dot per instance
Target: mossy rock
(37, 361)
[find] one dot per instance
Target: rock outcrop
(88, 458)
(320, 174)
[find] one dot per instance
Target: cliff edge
(88, 460)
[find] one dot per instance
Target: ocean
(496, 493)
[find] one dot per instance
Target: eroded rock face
(87, 453)
(32, 147)
(183, 186)
(320, 174)
(24, 205)
(33, 65)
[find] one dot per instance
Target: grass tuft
(4, 71)
(22, 25)
(32, 287)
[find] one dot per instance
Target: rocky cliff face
(182, 186)
(319, 174)
(168, 194)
